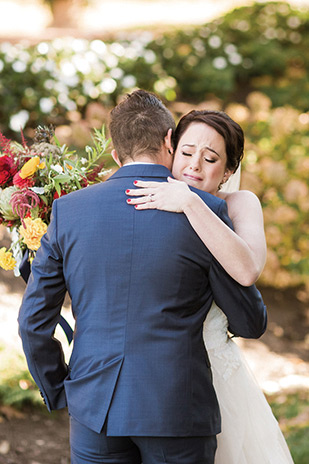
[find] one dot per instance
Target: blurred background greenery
(76, 59)
(252, 62)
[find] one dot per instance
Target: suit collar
(141, 170)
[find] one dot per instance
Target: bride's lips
(196, 178)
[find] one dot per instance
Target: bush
(260, 47)
(72, 83)
(276, 168)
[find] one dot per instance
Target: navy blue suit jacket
(141, 284)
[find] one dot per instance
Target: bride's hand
(173, 195)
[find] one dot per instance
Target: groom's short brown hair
(139, 124)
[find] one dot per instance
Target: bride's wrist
(191, 202)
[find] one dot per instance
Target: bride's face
(200, 158)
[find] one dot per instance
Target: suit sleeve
(243, 306)
(39, 315)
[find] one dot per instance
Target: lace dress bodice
(215, 327)
(218, 343)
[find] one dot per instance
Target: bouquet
(31, 178)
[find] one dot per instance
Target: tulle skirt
(250, 433)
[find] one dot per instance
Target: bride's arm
(246, 214)
(241, 253)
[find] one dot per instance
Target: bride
(209, 148)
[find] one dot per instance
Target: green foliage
(99, 148)
(292, 413)
(17, 387)
(262, 47)
(72, 83)
(298, 439)
(259, 47)
(276, 168)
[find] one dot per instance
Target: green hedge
(74, 82)
(260, 47)
(276, 168)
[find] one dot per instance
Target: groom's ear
(116, 158)
(168, 141)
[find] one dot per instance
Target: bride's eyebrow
(212, 150)
(192, 145)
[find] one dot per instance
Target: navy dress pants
(89, 447)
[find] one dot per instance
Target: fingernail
(128, 201)
(136, 206)
(127, 191)
(135, 182)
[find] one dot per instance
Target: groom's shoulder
(79, 196)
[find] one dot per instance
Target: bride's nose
(195, 163)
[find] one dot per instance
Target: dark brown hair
(139, 124)
(229, 129)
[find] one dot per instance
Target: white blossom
(57, 168)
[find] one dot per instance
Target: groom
(138, 385)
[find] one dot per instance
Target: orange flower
(33, 232)
(30, 167)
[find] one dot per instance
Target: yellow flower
(31, 167)
(7, 262)
(34, 231)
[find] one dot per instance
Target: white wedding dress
(250, 433)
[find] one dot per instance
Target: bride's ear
(226, 176)
(116, 158)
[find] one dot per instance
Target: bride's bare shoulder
(241, 196)
(241, 203)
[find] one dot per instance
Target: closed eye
(186, 154)
(210, 160)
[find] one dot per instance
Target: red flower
(22, 183)
(84, 182)
(4, 177)
(7, 169)
(10, 223)
(56, 195)
(93, 174)
(5, 162)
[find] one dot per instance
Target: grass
(292, 412)
(17, 389)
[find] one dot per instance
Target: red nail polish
(127, 191)
(136, 206)
(128, 201)
(135, 182)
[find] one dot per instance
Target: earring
(222, 181)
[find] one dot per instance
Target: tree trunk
(65, 13)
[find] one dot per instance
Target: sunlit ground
(29, 19)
